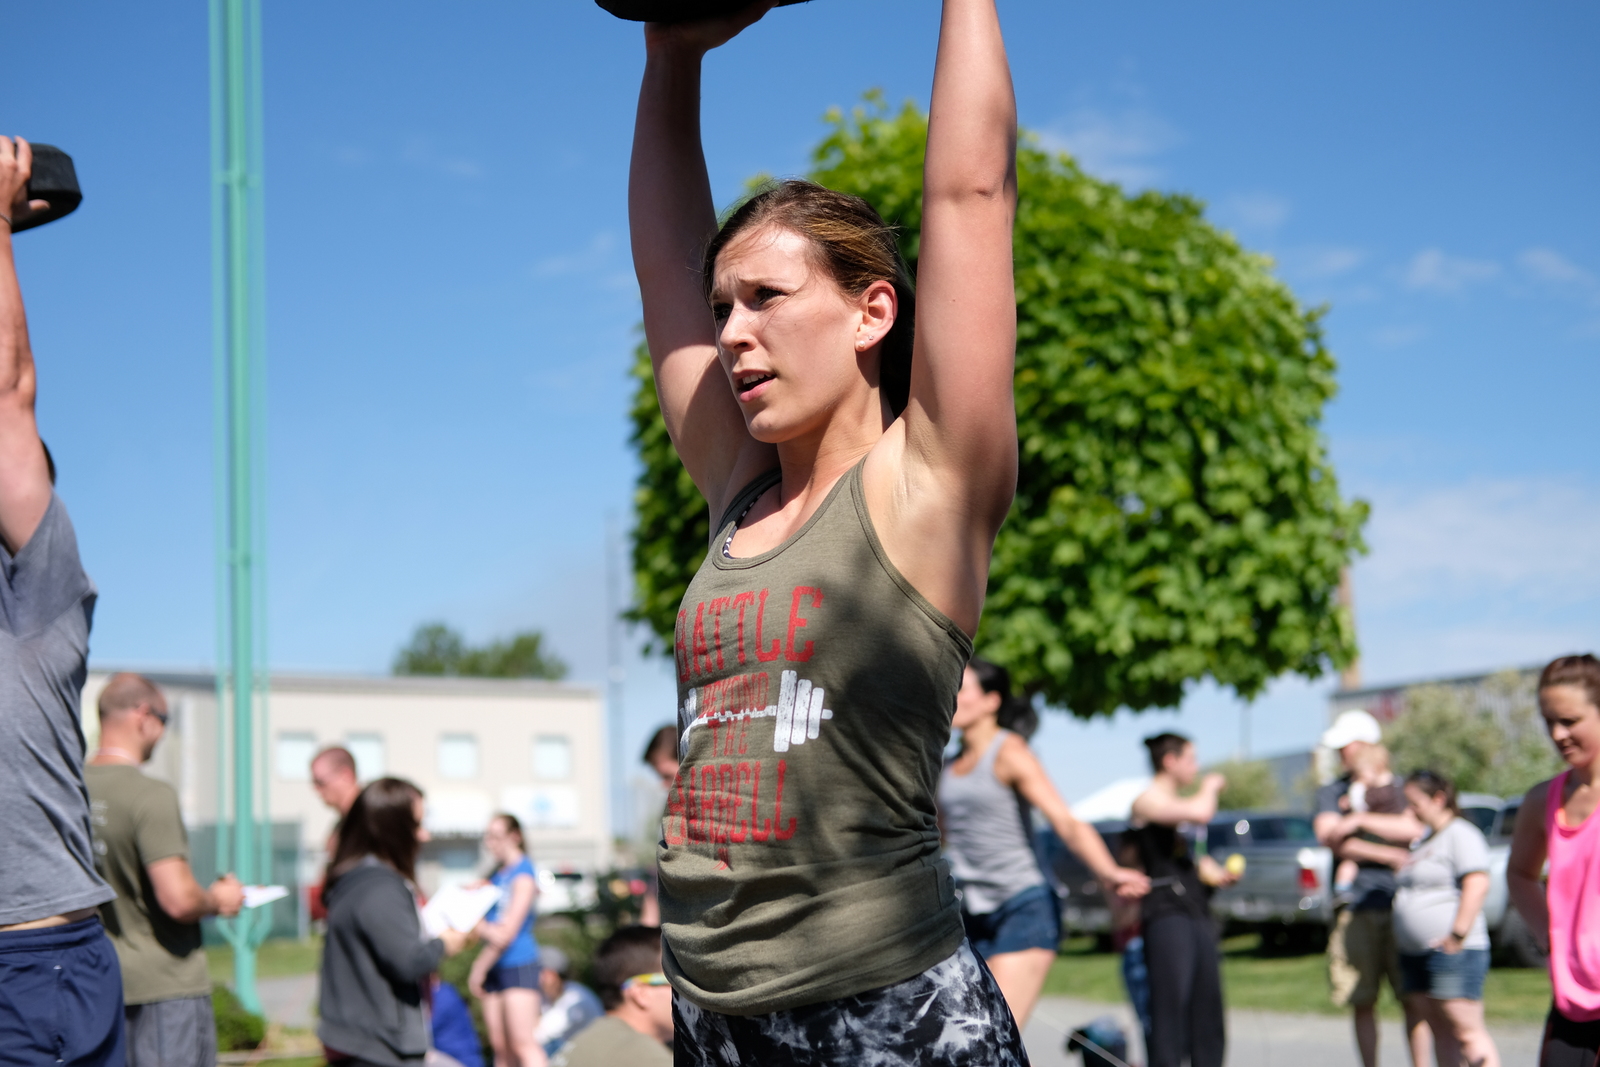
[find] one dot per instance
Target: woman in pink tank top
(1558, 823)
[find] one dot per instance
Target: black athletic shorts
(1568, 1043)
(951, 1015)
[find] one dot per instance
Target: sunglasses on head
(655, 979)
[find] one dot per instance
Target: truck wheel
(1306, 939)
(1517, 944)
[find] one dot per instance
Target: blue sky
(451, 304)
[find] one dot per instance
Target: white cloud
(1552, 268)
(1399, 336)
(1323, 262)
(420, 151)
(1477, 577)
(592, 257)
(1534, 540)
(1122, 146)
(1253, 211)
(1431, 269)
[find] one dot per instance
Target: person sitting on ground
(375, 960)
(569, 1006)
(1373, 787)
(1557, 823)
(143, 853)
(48, 886)
(505, 976)
(637, 1028)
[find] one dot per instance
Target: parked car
(1083, 902)
(1285, 893)
(1508, 933)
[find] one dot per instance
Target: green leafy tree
(1176, 514)
(1251, 785)
(437, 649)
(1457, 732)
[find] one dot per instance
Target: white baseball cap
(1351, 726)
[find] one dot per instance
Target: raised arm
(961, 420)
(947, 470)
(24, 474)
(1158, 806)
(671, 218)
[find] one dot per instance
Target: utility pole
(244, 842)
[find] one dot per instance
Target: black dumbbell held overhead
(55, 181)
(676, 10)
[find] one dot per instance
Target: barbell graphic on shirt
(799, 712)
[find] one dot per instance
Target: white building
(475, 746)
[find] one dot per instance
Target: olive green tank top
(800, 858)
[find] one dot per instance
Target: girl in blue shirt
(505, 976)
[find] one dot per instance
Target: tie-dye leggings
(951, 1015)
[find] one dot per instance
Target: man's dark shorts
(60, 997)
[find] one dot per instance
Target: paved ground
(290, 1001)
(1255, 1038)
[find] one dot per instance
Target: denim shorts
(512, 976)
(1445, 975)
(1031, 919)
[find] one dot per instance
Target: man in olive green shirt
(636, 1030)
(142, 851)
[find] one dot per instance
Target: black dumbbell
(55, 181)
(676, 10)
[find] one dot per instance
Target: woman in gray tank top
(1011, 915)
(857, 446)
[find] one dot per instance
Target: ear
(879, 305)
(635, 997)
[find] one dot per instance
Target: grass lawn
(1285, 983)
(275, 959)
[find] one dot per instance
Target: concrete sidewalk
(1255, 1038)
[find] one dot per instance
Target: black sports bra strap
(747, 497)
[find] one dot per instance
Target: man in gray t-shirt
(62, 988)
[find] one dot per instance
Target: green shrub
(237, 1029)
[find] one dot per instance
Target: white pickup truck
(1285, 891)
(1509, 934)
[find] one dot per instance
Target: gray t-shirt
(1430, 887)
(1374, 885)
(46, 607)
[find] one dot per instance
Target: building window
(292, 757)
(368, 752)
(552, 758)
(458, 756)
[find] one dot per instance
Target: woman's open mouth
(749, 384)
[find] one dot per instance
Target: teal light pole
(243, 823)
